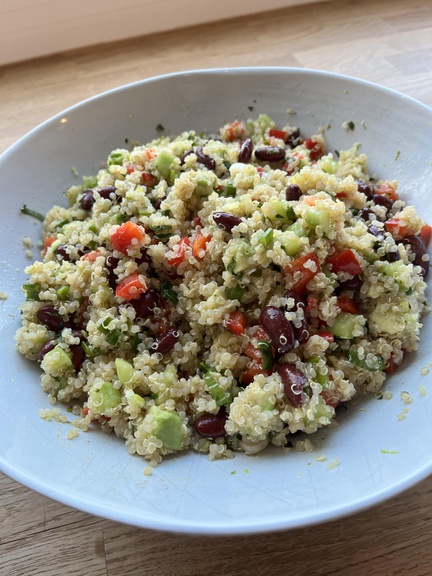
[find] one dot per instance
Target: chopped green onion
(120, 218)
(89, 351)
(168, 291)
(63, 293)
(31, 291)
(113, 337)
(162, 231)
(231, 190)
(63, 223)
(135, 342)
(265, 348)
(33, 213)
(103, 326)
(235, 293)
(374, 364)
(116, 158)
(215, 390)
(266, 238)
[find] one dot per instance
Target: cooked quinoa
(221, 294)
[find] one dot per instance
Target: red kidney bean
(418, 248)
(293, 192)
(270, 154)
(207, 161)
(106, 191)
(278, 328)
(144, 258)
(110, 264)
(166, 340)
(367, 214)
(354, 283)
(294, 382)
(245, 152)
(211, 425)
(382, 200)
(365, 189)
(78, 334)
(184, 156)
(393, 256)
(47, 347)
(62, 251)
(377, 232)
(50, 317)
(87, 199)
(77, 356)
(293, 139)
(146, 303)
(225, 220)
(301, 333)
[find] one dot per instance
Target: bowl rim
(165, 522)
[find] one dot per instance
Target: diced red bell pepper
(345, 261)
(196, 221)
(48, 241)
(302, 270)
(90, 256)
(253, 370)
(181, 250)
(281, 134)
(253, 352)
(199, 243)
(425, 234)
(236, 323)
(235, 130)
(315, 150)
(347, 304)
(326, 335)
(386, 189)
(148, 179)
(330, 399)
(126, 236)
(392, 367)
(131, 287)
(397, 228)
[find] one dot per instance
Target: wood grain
(389, 42)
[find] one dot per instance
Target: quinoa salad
(220, 294)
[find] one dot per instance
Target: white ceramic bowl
(378, 454)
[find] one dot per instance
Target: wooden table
(389, 42)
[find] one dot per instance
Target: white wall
(32, 28)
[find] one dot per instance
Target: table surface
(389, 42)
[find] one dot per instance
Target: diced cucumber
(63, 293)
(372, 362)
(104, 398)
(389, 322)
(290, 242)
(328, 165)
(396, 270)
(347, 326)
(266, 237)
(278, 211)
(316, 217)
(241, 260)
(299, 229)
(57, 361)
(235, 292)
(117, 157)
(163, 163)
(125, 370)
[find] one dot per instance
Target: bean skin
(61, 251)
(270, 154)
(382, 200)
(245, 152)
(293, 192)
(184, 156)
(278, 328)
(207, 161)
(418, 248)
(87, 199)
(146, 303)
(211, 425)
(110, 264)
(377, 232)
(77, 356)
(226, 221)
(294, 382)
(293, 139)
(365, 189)
(50, 317)
(301, 333)
(166, 340)
(354, 283)
(393, 256)
(106, 191)
(47, 347)
(367, 214)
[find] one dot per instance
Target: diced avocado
(241, 259)
(104, 398)
(347, 326)
(163, 163)
(290, 242)
(167, 428)
(388, 322)
(328, 165)
(124, 369)
(56, 361)
(278, 211)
